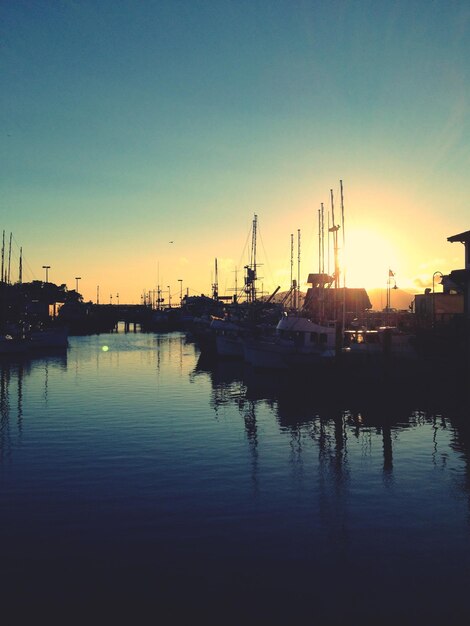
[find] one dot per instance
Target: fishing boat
(383, 343)
(298, 342)
(228, 338)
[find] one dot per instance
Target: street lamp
(169, 297)
(47, 268)
(389, 282)
(77, 278)
(117, 296)
(180, 280)
(433, 298)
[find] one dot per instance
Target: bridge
(94, 318)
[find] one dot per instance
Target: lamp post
(169, 297)
(180, 280)
(433, 297)
(77, 278)
(391, 275)
(47, 268)
(117, 296)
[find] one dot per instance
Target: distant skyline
(139, 139)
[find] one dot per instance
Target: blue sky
(126, 125)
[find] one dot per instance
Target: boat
(298, 342)
(383, 343)
(48, 338)
(12, 345)
(228, 338)
(249, 320)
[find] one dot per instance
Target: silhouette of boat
(12, 345)
(297, 342)
(55, 337)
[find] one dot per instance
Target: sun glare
(369, 256)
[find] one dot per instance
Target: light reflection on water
(146, 473)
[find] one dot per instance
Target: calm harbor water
(140, 478)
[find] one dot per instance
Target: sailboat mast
(322, 239)
(342, 226)
(291, 292)
(298, 268)
(291, 258)
(3, 256)
(20, 269)
(334, 228)
(215, 286)
(9, 259)
(344, 258)
(328, 246)
(319, 241)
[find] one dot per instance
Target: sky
(139, 139)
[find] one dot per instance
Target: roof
(463, 237)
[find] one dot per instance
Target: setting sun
(368, 258)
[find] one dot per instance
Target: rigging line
(240, 263)
(271, 277)
(25, 262)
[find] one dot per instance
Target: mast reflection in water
(144, 477)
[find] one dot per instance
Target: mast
(9, 259)
(215, 286)
(291, 259)
(253, 257)
(298, 269)
(344, 258)
(328, 263)
(3, 257)
(334, 230)
(292, 281)
(236, 284)
(322, 239)
(250, 278)
(20, 269)
(319, 241)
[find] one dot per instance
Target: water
(140, 480)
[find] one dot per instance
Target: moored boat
(298, 342)
(12, 345)
(54, 338)
(385, 342)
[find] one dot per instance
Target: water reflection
(13, 376)
(161, 469)
(331, 410)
